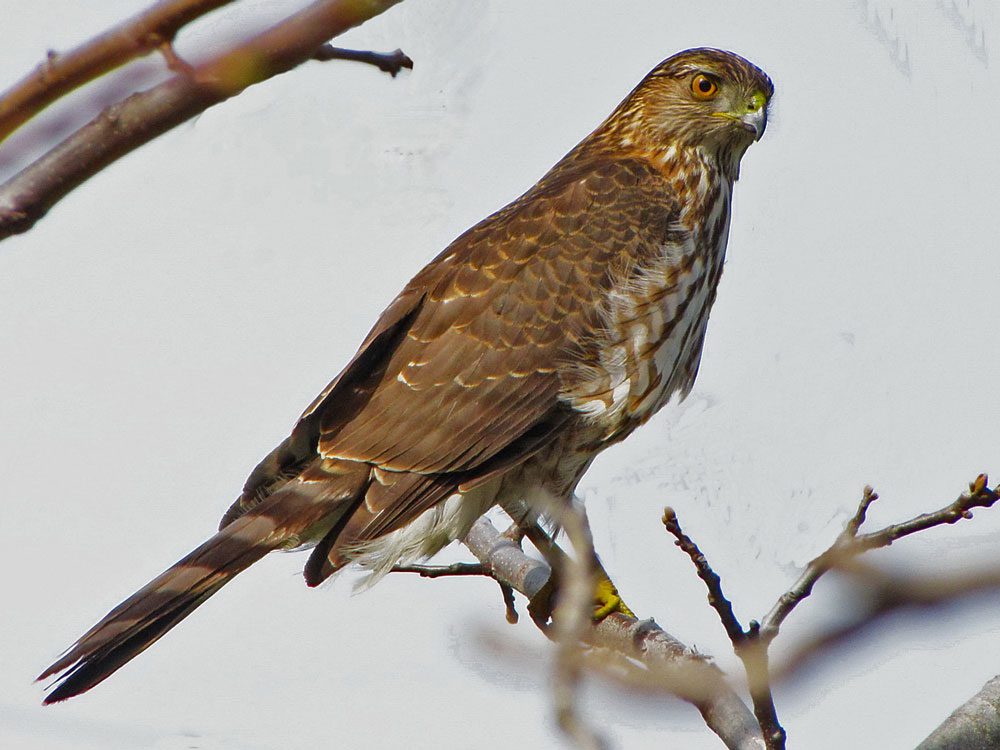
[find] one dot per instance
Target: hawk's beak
(755, 120)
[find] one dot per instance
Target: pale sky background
(163, 328)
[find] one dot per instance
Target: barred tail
(296, 511)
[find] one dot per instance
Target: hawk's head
(699, 97)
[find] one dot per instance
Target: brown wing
(503, 308)
(461, 376)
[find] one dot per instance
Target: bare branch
(722, 606)
(850, 544)
(814, 570)
(387, 62)
(125, 126)
(459, 570)
(440, 571)
(868, 496)
(978, 496)
(174, 61)
(975, 725)
(746, 643)
(507, 592)
(59, 74)
(889, 595)
(677, 668)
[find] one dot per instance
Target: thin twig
(507, 592)
(125, 126)
(461, 569)
(440, 571)
(388, 62)
(59, 74)
(978, 496)
(868, 496)
(850, 543)
(716, 598)
(174, 61)
(746, 643)
(753, 653)
(815, 569)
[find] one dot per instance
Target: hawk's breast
(656, 322)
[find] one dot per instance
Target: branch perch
(676, 667)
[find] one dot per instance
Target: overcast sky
(164, 326)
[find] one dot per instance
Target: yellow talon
(607, 599)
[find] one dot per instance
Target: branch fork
(751, 644)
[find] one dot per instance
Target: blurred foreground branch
(878, 595)
(674, 666)
(139, 118)
(573, 621)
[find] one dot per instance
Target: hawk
(542, 335)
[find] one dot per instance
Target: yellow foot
(607, 599)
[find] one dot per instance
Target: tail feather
(105, 661)
(288, 517)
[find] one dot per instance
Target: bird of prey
(542, 335)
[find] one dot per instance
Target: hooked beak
(755, 122)
(755, 117)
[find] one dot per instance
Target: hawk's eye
(703, 87)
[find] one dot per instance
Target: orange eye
(703, 87)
